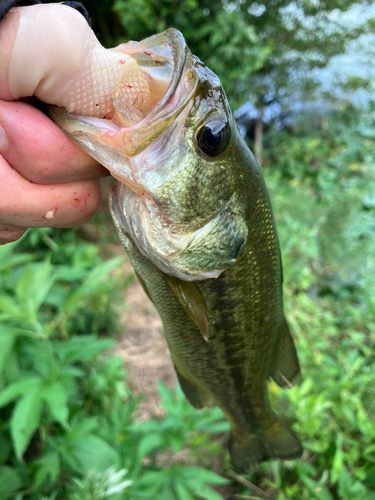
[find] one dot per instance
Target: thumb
(50, 51)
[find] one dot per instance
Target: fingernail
(3, 138)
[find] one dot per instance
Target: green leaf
(81, 348)
(48, 469)
(9, 306)
(22, 386)
(24, 291)
(25, 420)
(201, 475)
(12, 370)
(72, 371)
(207, 493)
(166, 394)
(15, 260)
(9, 480)
(305, 468)
(81, 426)
(182, 491)
(166, 494)
(152, 481)
(338, 459)
(322, 493)
(10, 258)
(57, 399)
(5, 448)
(92, 283)
(94, 453)
(32, 288)
(148, 444)
(7, 339)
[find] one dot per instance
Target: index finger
(40, 151)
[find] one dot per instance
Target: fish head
(179, 190)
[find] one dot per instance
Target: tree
(261, 51)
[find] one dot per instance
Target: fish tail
(277, 440)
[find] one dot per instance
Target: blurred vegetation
(67, 424)
(68, 421)
(259, 49)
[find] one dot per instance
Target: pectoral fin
(143, 284)
(192, 393)
(191, 299)
(285, 367)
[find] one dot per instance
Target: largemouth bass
(192, 211)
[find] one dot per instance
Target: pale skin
(45, 179)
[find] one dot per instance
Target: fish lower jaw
(104, 124)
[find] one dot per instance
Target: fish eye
(213, 137)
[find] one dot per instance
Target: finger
(8, 234)
(64, 62)
(40, 151)
(24, 204)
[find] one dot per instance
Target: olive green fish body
(194, 216)
(246, 324)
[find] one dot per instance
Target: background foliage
(68, 421)
(277, 43)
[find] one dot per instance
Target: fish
(193, 213)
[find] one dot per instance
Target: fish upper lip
(131, 141)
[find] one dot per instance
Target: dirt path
(144, 349)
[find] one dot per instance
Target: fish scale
(196, 221)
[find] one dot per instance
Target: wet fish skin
(168, 206)
(247, 329)
(222, 205)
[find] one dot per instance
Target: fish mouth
(165, 58)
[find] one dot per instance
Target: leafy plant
(66, 414)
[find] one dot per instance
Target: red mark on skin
(122, 61)
(86, 198)
(149, 211)
(147, 53)
(143, 194)
(157, 62)
(31, 182)
(129, 86)
(77, 199)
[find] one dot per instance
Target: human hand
(45, 179)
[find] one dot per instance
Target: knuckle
(10, 235)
